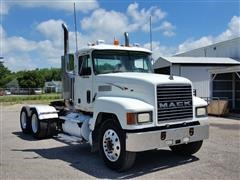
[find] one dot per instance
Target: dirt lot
(22, 157)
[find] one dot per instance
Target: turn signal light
(131, 118)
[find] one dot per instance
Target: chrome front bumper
(143, 141)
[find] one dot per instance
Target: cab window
(84, 65)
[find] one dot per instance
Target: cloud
(2, 36)
(2, 32)
(20, 63)
(19, 44)
(160, 50)
(52, 30)
(144, 14)
(81, 5)
(231, 32)
(110, 21)
(167, 28)
(55, 36)
(140, 17)
(21, 53)
(3, 8)
(110, 24)
(113, 23)
(100, 24)
(194, 44)
(49, 52)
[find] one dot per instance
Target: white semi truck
(114, 102)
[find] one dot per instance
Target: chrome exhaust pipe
(126, 39)
(66, 39)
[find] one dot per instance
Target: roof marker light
(116, 42)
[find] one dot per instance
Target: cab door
(83, 84)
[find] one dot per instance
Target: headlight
(201, 111)
(139, 118)
(144, 118)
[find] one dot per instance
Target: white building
(53, 86)
(214, 70)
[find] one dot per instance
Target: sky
(31, 34)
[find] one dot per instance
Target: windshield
(121, 61)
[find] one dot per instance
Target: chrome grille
(174, 102)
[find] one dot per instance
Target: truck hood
(140, 86)
(148, 78)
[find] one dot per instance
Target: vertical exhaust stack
(66, 39)
(67, 85)
(126, 39)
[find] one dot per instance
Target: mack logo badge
(174, 104)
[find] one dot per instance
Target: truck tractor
(113, 101)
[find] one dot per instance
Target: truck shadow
(24, 136)
(80, 157)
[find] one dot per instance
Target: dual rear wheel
(32, 125)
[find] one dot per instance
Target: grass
(19, 99)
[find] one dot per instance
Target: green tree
(4, 72)
(56, 74)
(53, 74)
(31, 79)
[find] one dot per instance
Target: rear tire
(42, 129)
(25, 122)
(187, 149)
(112, 145)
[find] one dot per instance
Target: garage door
(227, 85)
(222, 87)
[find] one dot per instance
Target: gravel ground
(23, 157)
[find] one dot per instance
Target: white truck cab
(114, 102)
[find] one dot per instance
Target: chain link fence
(27, 91)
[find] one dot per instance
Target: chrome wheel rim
(111, 145)
(24, 120)
(34, 123)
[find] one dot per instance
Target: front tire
(112, 147)
(187, 149)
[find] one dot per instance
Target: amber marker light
(116, 42)
(131, 118)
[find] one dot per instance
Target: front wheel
(187, 149)
(113, 148)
